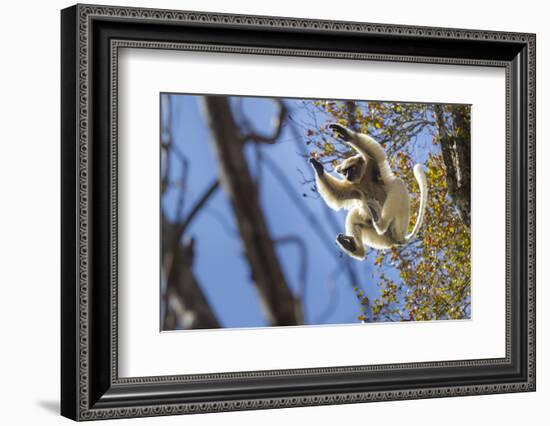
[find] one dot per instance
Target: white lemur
(376, 199)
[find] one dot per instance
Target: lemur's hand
(343, 132)
(317, 166)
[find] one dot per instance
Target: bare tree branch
(186, 304)
(275, 295)
(198, 205)
(185, 301)
(256, 137)
(165, 142)
(182, 187)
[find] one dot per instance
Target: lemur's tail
(367, 146)
(423, 184)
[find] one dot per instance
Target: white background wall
(29, 212)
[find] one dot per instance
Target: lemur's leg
(374, 209)
(335, 192)
(352, 242)
(394, 217)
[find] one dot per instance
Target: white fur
(393, 216)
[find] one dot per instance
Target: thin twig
(198, 205)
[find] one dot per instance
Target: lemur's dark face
(352, 169)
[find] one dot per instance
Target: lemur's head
(352, 168)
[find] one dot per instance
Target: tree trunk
(456, 155)
(276, 298)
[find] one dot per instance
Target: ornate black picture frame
(90, 385)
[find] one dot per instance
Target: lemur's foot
(341, 131)
(317, 166)
(374, 210)
(346, 242)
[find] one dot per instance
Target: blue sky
(220, 265)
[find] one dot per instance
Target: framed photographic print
(263, 212)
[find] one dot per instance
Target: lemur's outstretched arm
(368, 148)
(335, 192)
